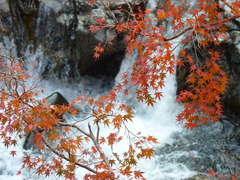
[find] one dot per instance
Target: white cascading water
(158, 121)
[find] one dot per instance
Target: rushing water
(158, 121)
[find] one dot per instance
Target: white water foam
(158, 121)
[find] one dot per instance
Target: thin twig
(102, 154)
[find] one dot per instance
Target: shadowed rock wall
(60, 30)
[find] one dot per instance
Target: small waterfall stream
(158, 121)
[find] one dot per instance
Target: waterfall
(158, 121)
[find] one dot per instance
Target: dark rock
(57, 99)
(23, 15)
(60, 30)
(209, 147)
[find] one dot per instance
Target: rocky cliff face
(60, 30)
(231, 59)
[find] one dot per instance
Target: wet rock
(4, 6)
(57, 98)
(61, 30)
(22, 20)
(210, 147)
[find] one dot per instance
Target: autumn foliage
(81, 143)
(201, 24)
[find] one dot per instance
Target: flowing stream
(158, 121)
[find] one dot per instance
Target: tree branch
(201, 26)
(67, 159)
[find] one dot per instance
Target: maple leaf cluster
(200, 25)
(67, 146)
(204, 25)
